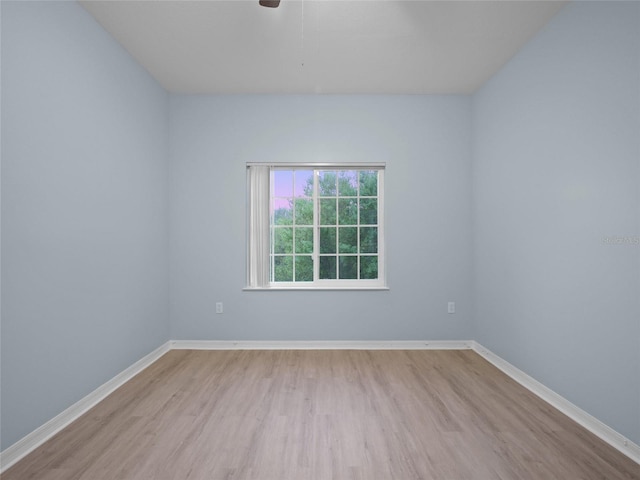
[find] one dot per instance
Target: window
(315, 227)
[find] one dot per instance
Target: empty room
(319, 239)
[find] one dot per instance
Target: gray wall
(84, 211)
(556, 172)
(425, 142)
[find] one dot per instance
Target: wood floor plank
(343, 414)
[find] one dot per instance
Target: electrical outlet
(451, 307)
(219, 308)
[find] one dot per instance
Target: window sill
(308, 289)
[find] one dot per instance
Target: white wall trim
(43, 433)
(320, 345)
(595, 426)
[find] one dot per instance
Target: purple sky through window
(280, 203)
(302, 177)
(283, 182)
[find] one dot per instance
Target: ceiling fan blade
(270, 3)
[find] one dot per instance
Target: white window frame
(259, 187)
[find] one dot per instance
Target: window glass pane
(303, 183)
(328, 240)
(282, 183)
(368, 211)
(304, 269)
(369, 240)
(283, 240)
(348, 211)
(348, 267)
(368, 183)
(348, 183)
(327, 184)
(283, 268)
(282, 212)
(348, 240)
(327, 268)
(327, 211)
(303, 211)
(368, 267)
(337, 224)
(304, 240)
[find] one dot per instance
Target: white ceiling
(323, 46)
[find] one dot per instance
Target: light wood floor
(348, 414)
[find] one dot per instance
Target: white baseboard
(40, 435)
(319, 345)
(595, 426)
